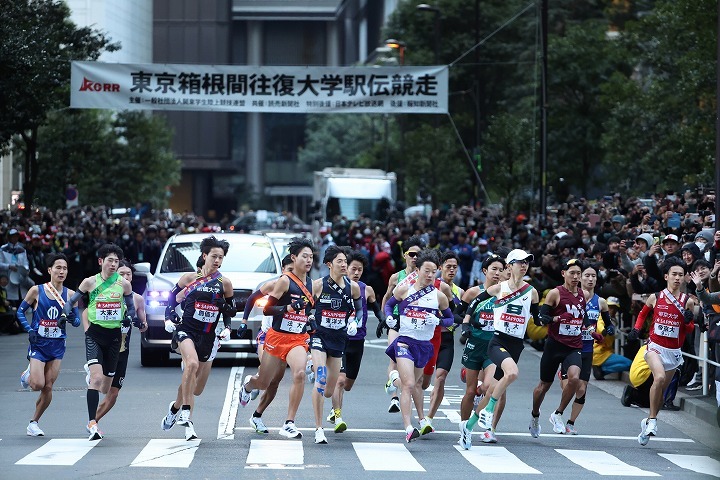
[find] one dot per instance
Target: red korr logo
(90, 86)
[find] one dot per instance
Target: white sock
(409, 429)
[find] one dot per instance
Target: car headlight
(157, 298)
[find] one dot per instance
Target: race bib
(49, 328)
(486, 320)
(332, 319)
(571, 328)
(293, 322)
(586, 335)
(206, 312)
(108, 311)
(668, 331)
(416, 319)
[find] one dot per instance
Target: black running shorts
(501, 347)
(351, 359)
(102, 346)
(555, 354)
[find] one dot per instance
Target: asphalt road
(373, 446)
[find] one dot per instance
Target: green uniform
(106, 307)
(475, 356)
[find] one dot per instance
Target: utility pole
(543, 108)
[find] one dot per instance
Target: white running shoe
(86, 367)
(644, 437)
(309, 373)
(24, 377)
(394, 405)
(426, 426)
(289, 430)
(183, 418)
(485, 419)
(557, 423)
(570, 429)
(488, 436)
(33, 430)
(340, 425)
(254, 393)
(535, 427)
(411, 434)
(168, 420)
(190, 432)
(320, 436)
(245, 396)
(95, 433)
(390, 387)
(651, 429)
(465, 436)
(331, 418)
(258, 425)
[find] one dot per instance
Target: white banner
(226, 88)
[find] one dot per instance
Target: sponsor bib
(293, 322)
(332, 319)
(108, 311)
(49, 328)
(417, 319)
(205, 312)
(668, 331)
(586, 335)
(571, 328)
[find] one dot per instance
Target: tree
(38, 43)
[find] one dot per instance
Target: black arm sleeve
(461, 309)
(250, 303)
(67, 309)
(535, 312)
(130, 305)
(375, 307)
(483, 296)
(545, 317)
(272, 308)
(172, 299)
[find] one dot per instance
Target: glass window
(254, 257)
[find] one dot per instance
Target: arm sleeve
(535, 312)
(377, 311)
(130, 305)
(447, 318)
(545, 317)
(250, 303)
(390, 305)
(67, 309)
(21, 316)
(359, 314)
(272, 308)
(77, 320)
(172, 299)
(642, 316)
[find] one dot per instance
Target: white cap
(518, 254)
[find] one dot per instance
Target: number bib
(108, 311)
(571, 328)
(49, 328)
(586, 335)
(668, 331)
(486, 320)
(293, 322)
(417, 319)
(334, 320)
(205, 312)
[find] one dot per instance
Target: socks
(570, 422)
(93, 398)
(289, 421)
(472, 421)
(186, 407)
(558, 412)
(491, 404)
(173, 409)
(256, 414)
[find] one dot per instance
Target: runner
(443, 341)
(355, 345)
(337, 299)
(126, 271)
(478, 328)
(516, 303)
(205, 295)
(595, 308)
(286, 343)
(420, 305)
(110, 306)
(269, 394)
(672, 319)
(564, 312)
(47, 336)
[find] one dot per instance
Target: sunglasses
(412, 254)
(521, 262)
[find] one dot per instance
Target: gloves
(169, 326)
(458, 319)
(311, 325)
(689, 317)
(609, 330)
(62, 320)
(633, 335)
(127, 321)
(379, 329)
(33, 336)
(298, 305)
(137, 323)
(466, 329)
(225, 334)
(391, 321)
(352, 329)
(598, 338)
(171, 315)
(241, 330)
(432, 319)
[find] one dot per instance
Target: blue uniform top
(592, 310)
(47, 313)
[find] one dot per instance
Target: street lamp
(424, 7)
(399, 45)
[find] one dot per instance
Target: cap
(580, 251)
(671, 238)
(13, 231)
(618, 219)
(517, 255)
(482, 241)
(613, 301)
(560, 235)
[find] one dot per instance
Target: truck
(348, 192)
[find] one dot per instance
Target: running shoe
(33, 430)
(86, 367)
(331, 418)
(394, 405)
(411, 435)
(695, 383)
(190, 432)
(557, 423)
(390, 387)
(309, 373)
(570, 429)
(289, 430)
(245, 396)
(340, 425)
(488, 436)
(535, 427)
(258, 425)
(486, 418)
(651, 429)
(320, 436)
(87, 428)
(95, 433)
(24, 377)
(254, 393)
(426, 426)
(168, 420)
(463, 374)
(183, 418)
(465, 436)
(644, 437)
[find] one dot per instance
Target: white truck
(351, 191)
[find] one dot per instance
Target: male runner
(110, 306)
(286, 343)
(46, 333)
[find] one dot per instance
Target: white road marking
(226, 425)
(603, 463)
(276, 454)
(387, 457)
(59, 451)
(452, 415)
(696, 463)
(495, 460)
(166, 453)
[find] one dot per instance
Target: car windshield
(246, 257)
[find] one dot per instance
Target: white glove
(432, 319)
(225, 334)
(169, 326)
(352, 329)
(391, 321)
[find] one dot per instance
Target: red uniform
(568, 331)
(668, 327)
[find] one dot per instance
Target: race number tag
(49, 328)
(293, 322)
(570, 328)
(416, 319)
(668, 331)
(206, 312)
(586, 335)
(486, 320)
(334, 320)
(108, 311)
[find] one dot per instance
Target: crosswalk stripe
(387, 457)
(495, 460)
(603, 463)
(59, 451)
(696, 463)
(280, 454)
(167, 453)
